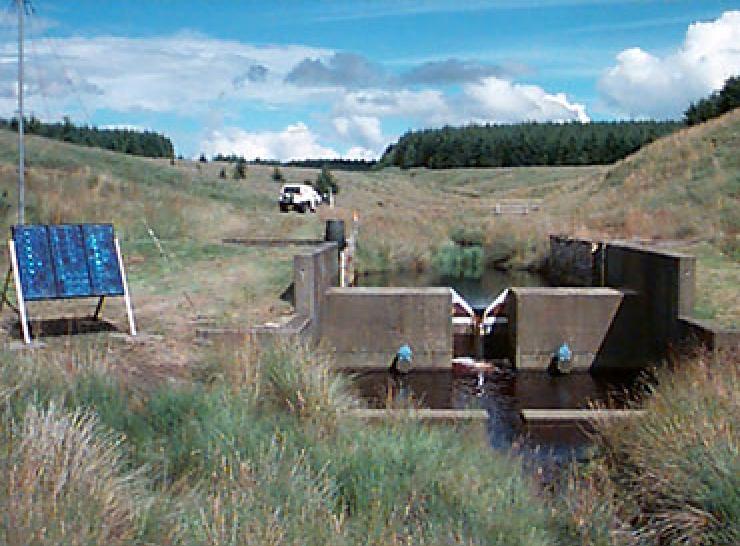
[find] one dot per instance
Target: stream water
(503, 394)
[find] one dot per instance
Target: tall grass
(302, 382)
(673, 475)
(64, 483)
(274, 499)
(405, 483)
(263, 452)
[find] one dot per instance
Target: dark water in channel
(503, 394)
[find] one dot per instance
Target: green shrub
(452, 260)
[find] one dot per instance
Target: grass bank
(258, 450)
(671, 476)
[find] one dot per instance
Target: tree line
(524, 144)
(716, 104)
(128, 141)
(336, 164)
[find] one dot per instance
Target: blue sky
(289, 79)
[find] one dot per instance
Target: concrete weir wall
(366, 326)
(661, 290)
(313, 274)
(710, 335)
(642, 309)
(540, 319)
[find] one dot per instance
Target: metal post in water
(21, 150)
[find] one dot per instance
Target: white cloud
(294, 142)
(501, 101)
(180, 74)
(492, 100)
(361, 129)
(645, 85)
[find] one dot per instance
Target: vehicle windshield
(291, 189)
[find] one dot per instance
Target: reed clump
(65, 482)
(671, 476)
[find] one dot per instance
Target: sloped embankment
(685, 186)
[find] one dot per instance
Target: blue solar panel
(102, 260)
(34, 262)
(70, 261)
(67, 261)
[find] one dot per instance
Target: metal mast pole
(21, 151)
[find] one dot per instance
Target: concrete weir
(553, 416)
(632, 305)
(366, 325)
(543, 318)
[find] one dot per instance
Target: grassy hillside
(684, 191)
(170, 221)
(685, 186)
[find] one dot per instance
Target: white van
(300, 197)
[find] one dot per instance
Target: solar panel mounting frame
(112, 254)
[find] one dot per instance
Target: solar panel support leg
(19, 294)
(99, 308)
(127, 297)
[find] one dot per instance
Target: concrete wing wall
(366, 326)
(662, 289)
(313, 273)
(540, 319)
(711, 336)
